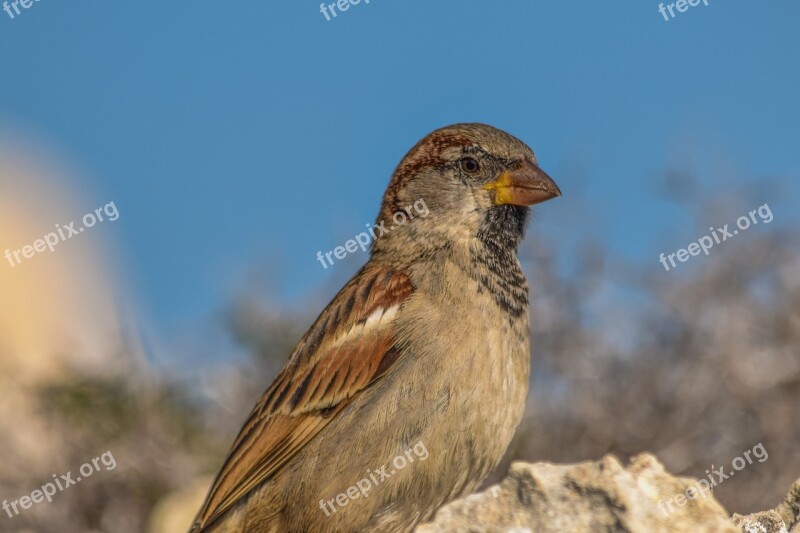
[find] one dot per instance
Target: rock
(784, 516)
(604, 496)
(764, 522)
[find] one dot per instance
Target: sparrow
(426, 347)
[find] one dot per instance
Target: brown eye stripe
(429, 153)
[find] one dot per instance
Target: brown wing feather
(333, 361)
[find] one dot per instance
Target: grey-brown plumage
(428, 344)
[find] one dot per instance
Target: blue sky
(237, 135)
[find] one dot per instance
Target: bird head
(473, 180)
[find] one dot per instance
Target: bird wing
(350, 345)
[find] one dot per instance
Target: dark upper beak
(526, 185)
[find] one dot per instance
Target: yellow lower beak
(524, 186)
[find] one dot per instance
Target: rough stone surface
(785, 518)
(603, 496)
(764, 522)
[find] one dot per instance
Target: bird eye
(470, 165)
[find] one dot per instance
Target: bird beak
(526, 185)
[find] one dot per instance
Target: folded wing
(349, 347)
